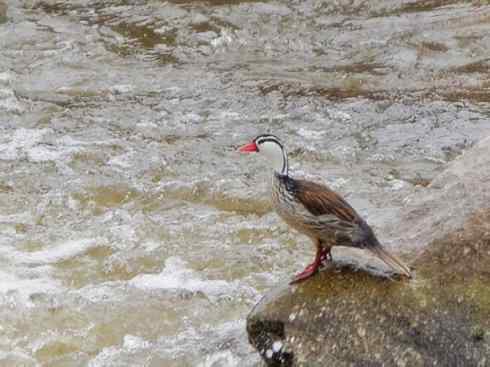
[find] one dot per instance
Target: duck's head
(272, 149)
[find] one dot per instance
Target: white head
(271, 148)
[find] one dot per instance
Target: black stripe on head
(272, 138)
(267, 138)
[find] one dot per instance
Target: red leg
(310, 269)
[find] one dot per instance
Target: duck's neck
(280, 164)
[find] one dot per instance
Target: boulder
(347, 316)
(455, 194)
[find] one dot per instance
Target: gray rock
(448, 201)
(347, 317)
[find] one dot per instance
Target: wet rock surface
(445, 204)
(347, 316)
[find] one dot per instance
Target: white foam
(131, 342)
(19, 288)
(11, 282)
(175, 275)
(21, 140)
(397, 185)
(123, 160)
(105, 357)
(21, 357)
(27, 137)
(112, 356)
(70, 141)
(28, 142)
(224, 39)
(9, 102)
(121, 88)
(5, 77)
(101, 293)
(339, 115)
(223, 358)
(45, 153)
(55, 254)
(311, 134)
(22, 217)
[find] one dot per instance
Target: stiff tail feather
(391, 260)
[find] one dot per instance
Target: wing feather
(333, 215)
(321, 200)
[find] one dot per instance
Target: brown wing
(320, 200)
(334, 218)
(334, 215)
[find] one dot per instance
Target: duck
(318, 212)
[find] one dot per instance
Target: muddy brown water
(131, 232)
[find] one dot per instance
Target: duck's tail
(390, 260)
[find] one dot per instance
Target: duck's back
(319, 212)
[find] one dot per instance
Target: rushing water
(131, 232)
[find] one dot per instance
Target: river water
(131, 231)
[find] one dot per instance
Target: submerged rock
(345, 317)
